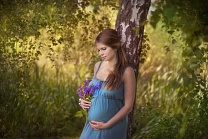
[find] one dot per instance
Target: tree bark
(130, 23)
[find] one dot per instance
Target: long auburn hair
(110, 38)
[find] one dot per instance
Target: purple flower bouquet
(86, 91)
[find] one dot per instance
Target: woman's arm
(129, 96)
(83, 103)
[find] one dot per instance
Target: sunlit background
(47, 51)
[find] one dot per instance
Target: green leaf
(79, 114)
(188, 51)
(171, 32)
(198, 53)
(174, 41)
(169, 12)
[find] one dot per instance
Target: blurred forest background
(47, 51)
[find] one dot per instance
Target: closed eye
(101, 49)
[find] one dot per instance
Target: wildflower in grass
(86, 91)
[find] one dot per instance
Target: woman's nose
(100, 53)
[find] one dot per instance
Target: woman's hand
(84, 104)
(98, 125)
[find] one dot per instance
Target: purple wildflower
(98, 85)
(86, 91)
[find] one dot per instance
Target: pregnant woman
(113, 101)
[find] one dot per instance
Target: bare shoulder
(129, 70)
(128, 74)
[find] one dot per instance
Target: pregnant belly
(102, 110)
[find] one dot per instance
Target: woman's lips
(103, 57)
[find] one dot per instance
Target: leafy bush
(46, 51)
(172, 96)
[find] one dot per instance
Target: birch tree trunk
(130, 26)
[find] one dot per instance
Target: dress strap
(98, 68)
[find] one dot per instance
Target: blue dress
(105, 104)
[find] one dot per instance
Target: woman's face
(105, 52)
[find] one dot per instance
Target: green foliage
(172, 87)
(46, 109)
(46, 51)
